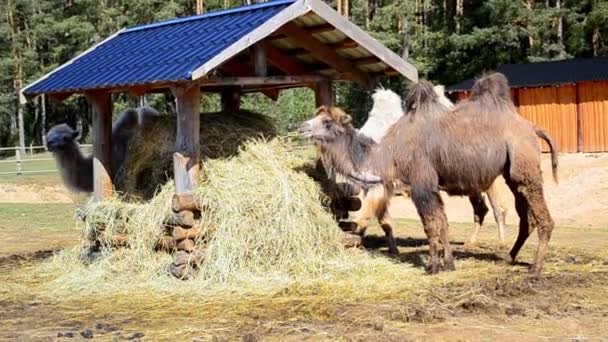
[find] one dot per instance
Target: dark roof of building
(191, 48)
(548, 73)
(166, 51)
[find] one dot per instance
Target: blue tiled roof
(166, 51)
(548, 73)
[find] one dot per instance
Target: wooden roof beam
(236, 69)
(260, 81)
(359, 62)
(323, 52)
(341, 45)
(284, 63)
(310, 29)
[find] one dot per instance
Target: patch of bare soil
(32, 193)
(570, 301)
(579, 200)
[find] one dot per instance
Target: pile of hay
(271, 232)
(149, 164)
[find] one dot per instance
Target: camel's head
(327, 124)
(60, 136)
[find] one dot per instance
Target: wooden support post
(259, 59)
(186, 159)
(186, 167)
(324, 94)
(102, 144)
(231, 100)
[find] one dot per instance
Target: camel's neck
(76, 169)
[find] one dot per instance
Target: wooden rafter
(341, 45)
(359, 62)
(260, 81)
(323, 52)
(310, 29)
(284, 63)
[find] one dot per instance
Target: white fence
(32, 155)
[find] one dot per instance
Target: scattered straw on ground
(272, 234)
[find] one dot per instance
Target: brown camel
(386, 110)
(461, 151)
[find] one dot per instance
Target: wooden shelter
(568, 98)
(259, 48)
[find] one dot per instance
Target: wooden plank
(553, 109)
(102, 144)
(364, 39)
(344, 44)
(260, 81)
(295, 10)
(322, 28)
(186, 163)
(324, 53)
(594, 122)
(579, 122)
(235, 68)
(324, 94)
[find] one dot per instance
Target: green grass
(31, 163)
(26, 227)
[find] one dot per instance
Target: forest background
(447, 40)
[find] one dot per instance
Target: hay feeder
(287, 44)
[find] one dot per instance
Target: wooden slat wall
(554, 109)
(593, 99)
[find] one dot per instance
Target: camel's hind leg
(500, 212)
(479, 213)
(430, 208)
(527, 187)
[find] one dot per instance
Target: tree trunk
(459, 14)
(530, 7)
(560, 26)
(18, 76)
(371, 12)
(346, 8)
(596, 41)
(200, 6)
(43, 119)
(404, 31)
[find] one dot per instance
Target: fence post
(18, 160)
(31, 150)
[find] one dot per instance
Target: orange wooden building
(569, 98)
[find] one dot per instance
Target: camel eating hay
(142, 147)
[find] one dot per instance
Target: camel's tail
(541, 133)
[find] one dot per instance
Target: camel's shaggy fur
(387, 109)
(461, 151)
(381, 118)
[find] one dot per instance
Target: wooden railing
(32, 154)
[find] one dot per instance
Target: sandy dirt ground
(579, 200)
(32, 193)
(570, 302)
